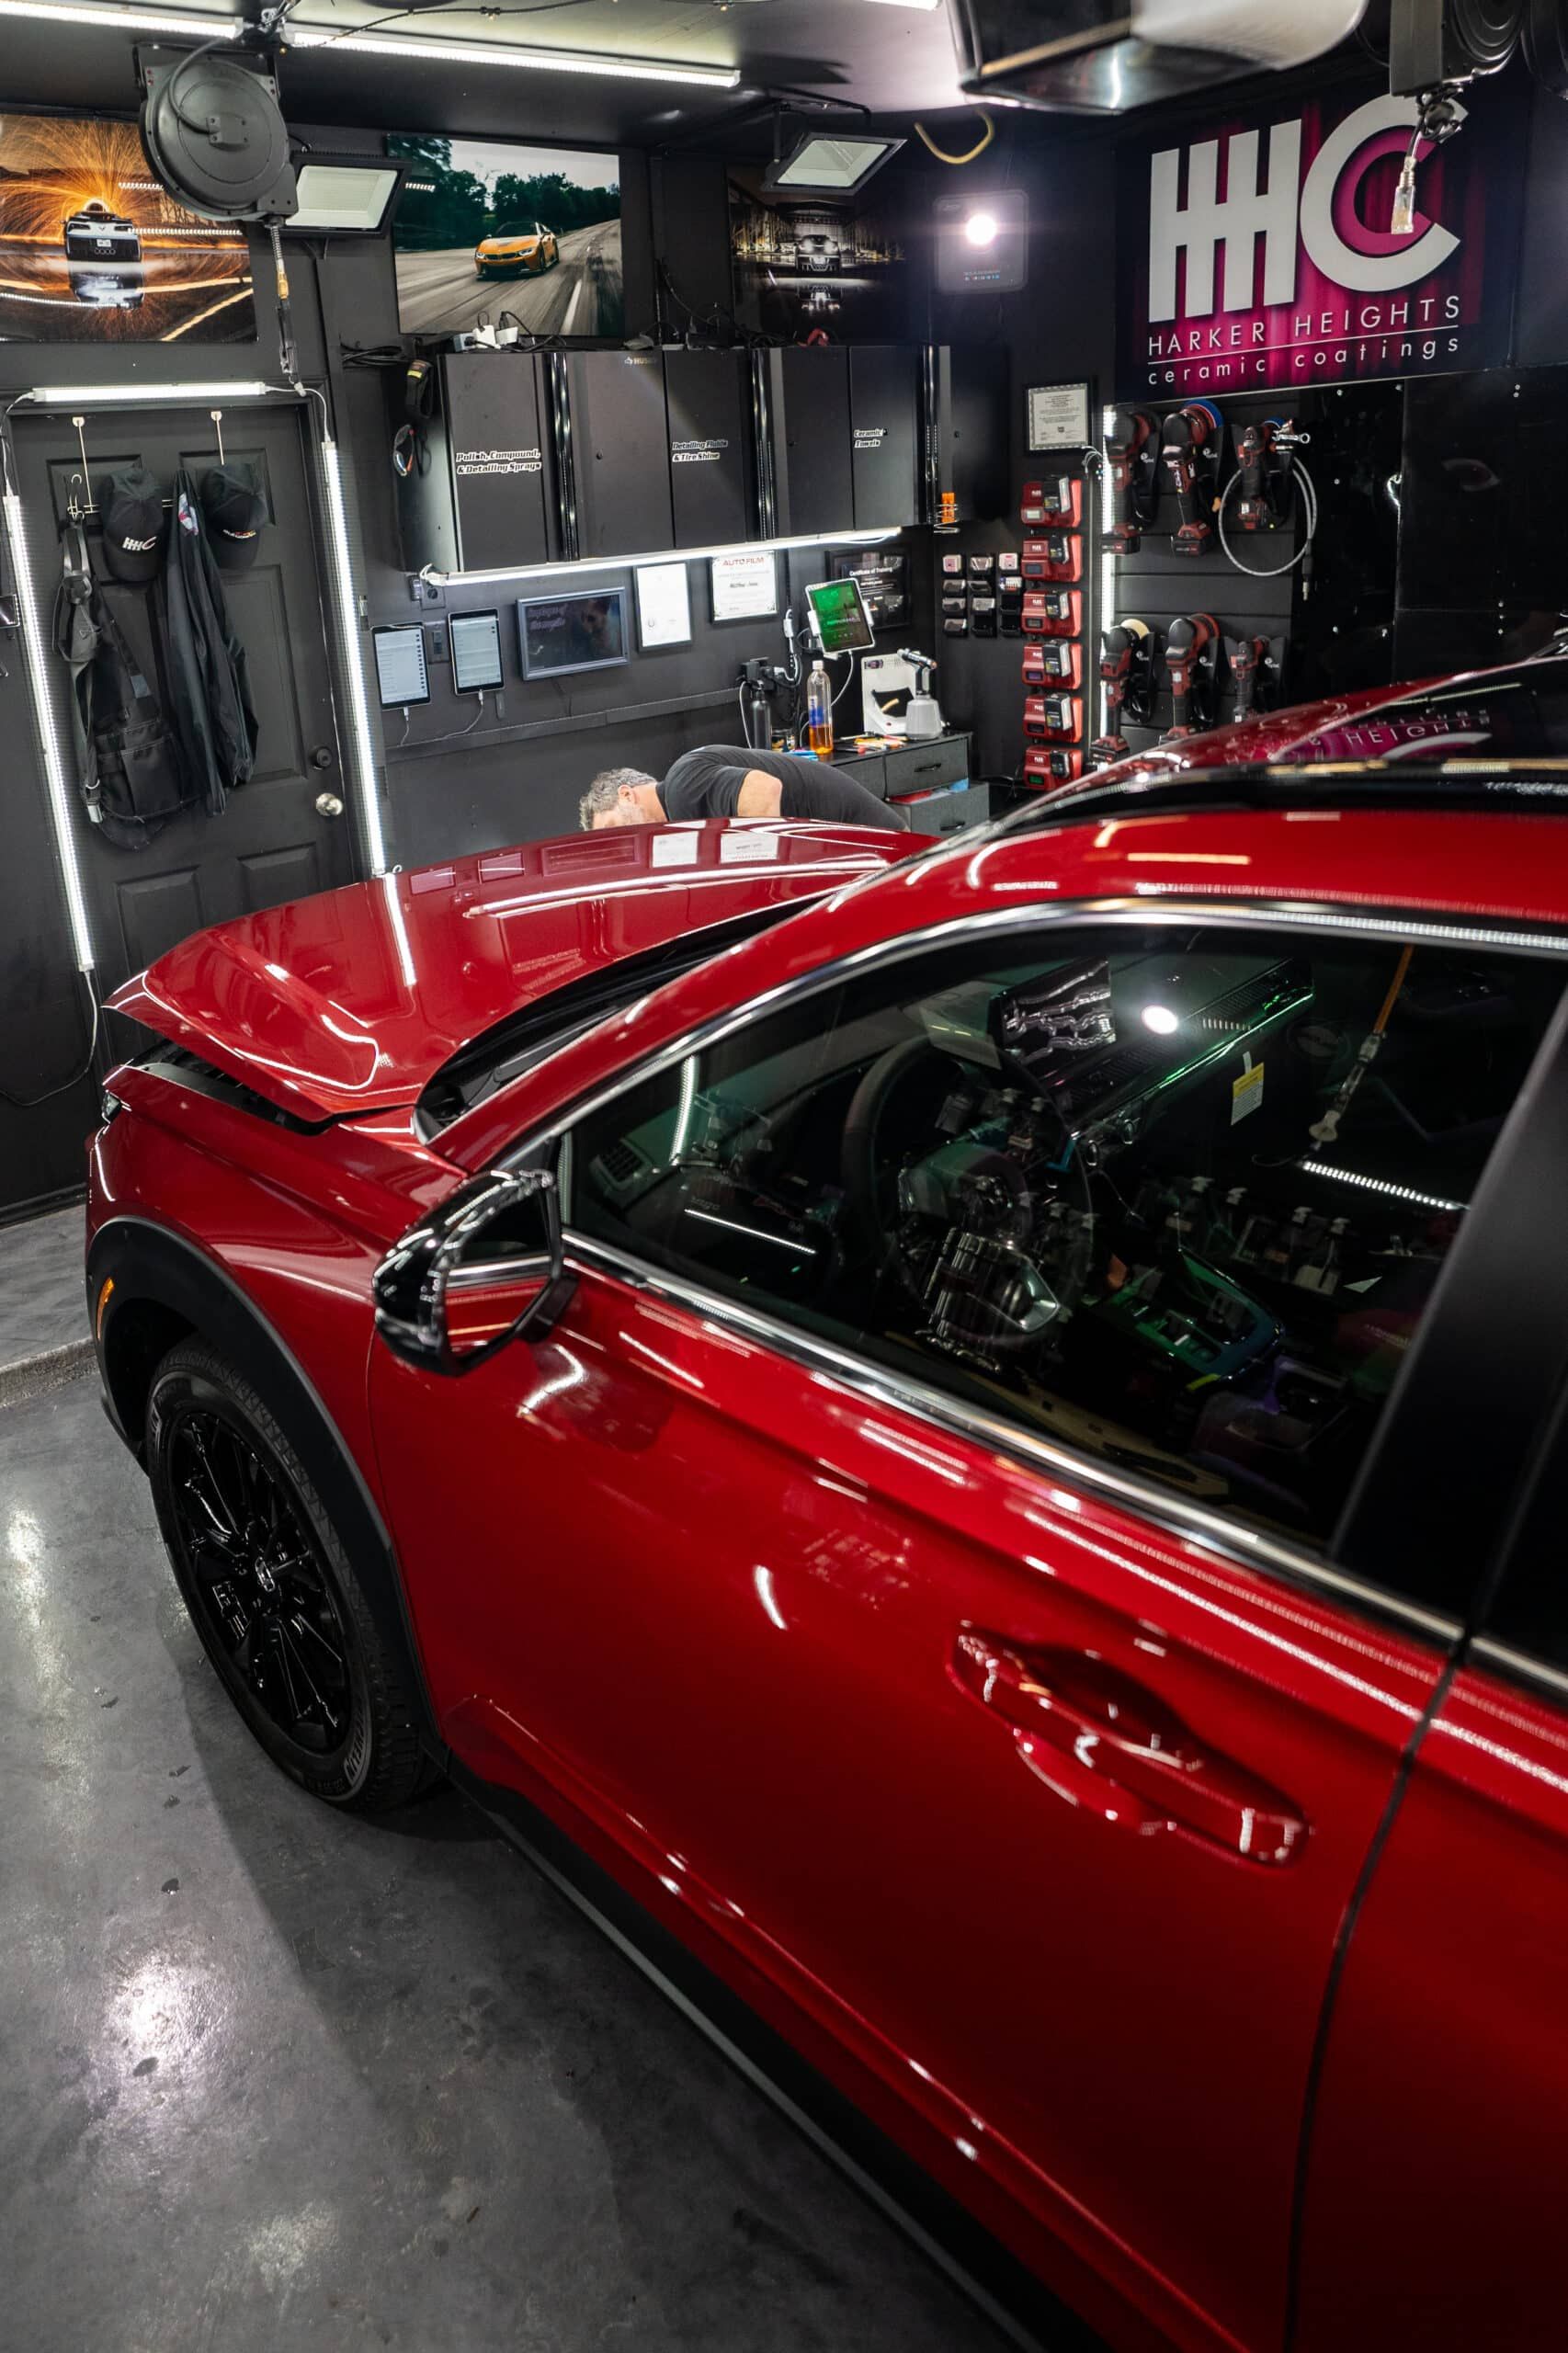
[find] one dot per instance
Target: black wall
(1478, 572)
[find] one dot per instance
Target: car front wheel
(271, 1589)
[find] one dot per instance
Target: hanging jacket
(128, 763)
(208, 681)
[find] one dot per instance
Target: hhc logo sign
(1318, 216)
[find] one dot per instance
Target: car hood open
(347, 1002)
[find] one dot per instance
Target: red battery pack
(1052, 612)
(1060, 500)
(1054, 718)
(1058, 556)
(1045, 766)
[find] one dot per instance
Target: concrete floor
(42, 1306)
(276, 2078)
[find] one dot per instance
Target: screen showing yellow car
(486, 228)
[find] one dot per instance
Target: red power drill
(1192, 650)
(1132, 458)
(1127, 671)
(1248, 657)
(1190, 452)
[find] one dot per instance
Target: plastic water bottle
(819, 712)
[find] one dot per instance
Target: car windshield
(522, 1040)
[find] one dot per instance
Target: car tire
(272, 1592)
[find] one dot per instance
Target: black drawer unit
(708, 403)
(884, 435)
(621, 452)
(947, 813)
(482, 492)
(926, 768)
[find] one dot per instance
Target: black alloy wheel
(262, 1594)
(272, 1591)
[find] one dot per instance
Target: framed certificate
(744, 586)
(1059, 416)
(664, 606)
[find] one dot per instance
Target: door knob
(321, 756)
(329, 804)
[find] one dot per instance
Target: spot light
(1160, 1020)
(981, 228)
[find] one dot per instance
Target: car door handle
(1104, 1741)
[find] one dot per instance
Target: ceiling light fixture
(521, 60)
(666, 556)
(344, 196)
(822, 164)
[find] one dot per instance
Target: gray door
(272, 842)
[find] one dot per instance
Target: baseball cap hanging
(234, 515)
(131, 508)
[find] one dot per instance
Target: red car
(1519, 710)
(990, 1449)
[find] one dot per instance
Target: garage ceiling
(896, 59)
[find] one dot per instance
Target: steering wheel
(868, 1184)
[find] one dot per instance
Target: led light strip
(1107, 569)
(135, 20)
(368, 44)
(1377, 1185)
(525, 60)
(33, 642)
(136, 396)
(346, 612)
(655, 555)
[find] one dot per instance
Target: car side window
(1176, 1198)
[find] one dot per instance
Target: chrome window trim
(1232, 1540)
(1519, 1666)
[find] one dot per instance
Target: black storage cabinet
(708, 404)
(884, 435)
(621, 452)
(482, 492)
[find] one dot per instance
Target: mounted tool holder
(1132, 461)
(1127, 670)
(1192, 661)
(1190, 452)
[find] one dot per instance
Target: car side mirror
(489, 1267)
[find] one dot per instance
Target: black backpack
(128, 762)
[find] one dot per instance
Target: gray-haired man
(729, 781)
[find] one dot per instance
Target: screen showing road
(491, 230)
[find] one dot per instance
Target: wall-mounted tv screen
(488, 227)
(93, 251)
(560, 634)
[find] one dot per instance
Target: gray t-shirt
(707, 783)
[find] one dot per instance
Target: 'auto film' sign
(1262, 254)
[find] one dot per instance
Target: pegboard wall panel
(1331, 630)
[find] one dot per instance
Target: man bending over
(729, 781)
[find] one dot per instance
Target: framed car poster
(92, 249)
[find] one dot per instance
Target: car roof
(1504, 867)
